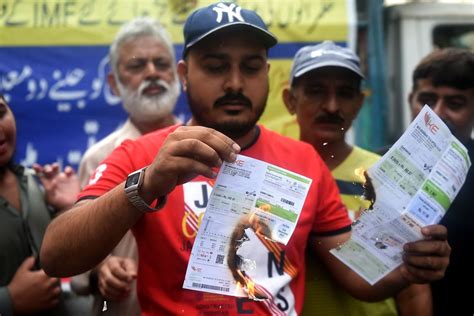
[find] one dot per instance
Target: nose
(439, 108)
(331, 105)
(234, 81)
(151, 71)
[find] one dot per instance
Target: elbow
(50, 258)
(47, 259)
(368, 293)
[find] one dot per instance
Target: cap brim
(332, 63)
(268, 38)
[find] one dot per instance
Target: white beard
(143, 108)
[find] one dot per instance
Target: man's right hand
(116, 275)
(186, 153)
(33, 291)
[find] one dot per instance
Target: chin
(234, 128)
(327, 137)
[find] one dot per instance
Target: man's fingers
(111, 292)
(122, 274)
(415, 275)
(225, 147)
(130, 267)
(428, 247)
(438, 232)
(27, 264)
(69, 171)
(110, 281)
(426, 262)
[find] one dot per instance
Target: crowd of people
(119, 228)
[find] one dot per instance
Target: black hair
(452, 67)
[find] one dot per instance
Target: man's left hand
(426, 260)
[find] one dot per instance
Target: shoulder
(286, 152)
(144, 148)
(365, 156)
(102, 147)
(284, 142)
(153, 138)
(366, 153)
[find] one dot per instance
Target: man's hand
(61, 187)
(426, 260)
(33, 291)
(186, 153)
(116, 275)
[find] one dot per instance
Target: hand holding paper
(415, 182)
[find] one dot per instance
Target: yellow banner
(276, 116)
(93, 22)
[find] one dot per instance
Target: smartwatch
(132, 185)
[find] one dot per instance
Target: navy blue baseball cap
(206, 21)
(325, 54)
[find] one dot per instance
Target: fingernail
(232, 157)
(236, 147)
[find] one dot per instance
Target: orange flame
(234, 261)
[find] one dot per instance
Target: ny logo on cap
(232, 11)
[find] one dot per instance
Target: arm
(91, 229)
(415, 300)
(424, 261)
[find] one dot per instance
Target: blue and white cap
(326, 54)
(217, 16)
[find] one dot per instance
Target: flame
(369, 190)
(234, 261)
(250, 287)
(360, 172)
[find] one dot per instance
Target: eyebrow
(225, 56)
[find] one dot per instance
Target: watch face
(132, 179)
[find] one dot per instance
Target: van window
(454, 35)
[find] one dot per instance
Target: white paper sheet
(248, 191)
(415, 182)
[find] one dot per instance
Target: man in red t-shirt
(224, 72)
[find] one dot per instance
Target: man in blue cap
(325, 95)
(158, 186)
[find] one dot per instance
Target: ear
(360, 102)
(410, 99)
(113, 84)
(289, 100)
(182, 69)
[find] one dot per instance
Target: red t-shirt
(165, 238)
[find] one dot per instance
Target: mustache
(233, 98)
(330, 118)
(153, 83)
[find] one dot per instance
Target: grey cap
(326, 54)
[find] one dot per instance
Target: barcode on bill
(210, 287)
(220, 259)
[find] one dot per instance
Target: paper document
(415, 182)
(248, 194)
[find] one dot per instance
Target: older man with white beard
(143, 74)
